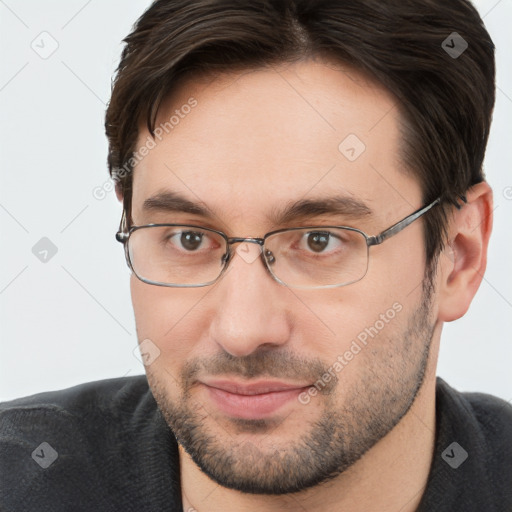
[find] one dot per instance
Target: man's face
(238, 359)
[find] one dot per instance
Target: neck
(391, 476)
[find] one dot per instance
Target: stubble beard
(373, 404)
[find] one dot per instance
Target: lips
(255, 400)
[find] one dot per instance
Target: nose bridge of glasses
(268, 258)
(251, 240)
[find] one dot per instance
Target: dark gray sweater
(104, 447)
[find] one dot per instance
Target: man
(303, 209)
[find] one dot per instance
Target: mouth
(256, 400)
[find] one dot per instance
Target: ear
(463, 261)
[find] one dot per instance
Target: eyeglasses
(310, 257)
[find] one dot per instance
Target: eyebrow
(167, 201)
(173, 202)
(334, 205)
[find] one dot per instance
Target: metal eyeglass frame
(123, 236)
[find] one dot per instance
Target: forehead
(244, 143)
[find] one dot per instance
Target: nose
(250, 309)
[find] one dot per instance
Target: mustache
(280, 364)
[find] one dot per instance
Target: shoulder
(493, 433)
(472, 464)
(494, 414)
(70, 437)
(88, 406)
(488, 417)
(106, 393)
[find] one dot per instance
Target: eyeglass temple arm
(399, 226)
(122, 235)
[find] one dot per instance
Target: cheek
(349, 320)
(170, 318)
(365, 338)
(399, 264)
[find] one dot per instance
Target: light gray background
(70, 320)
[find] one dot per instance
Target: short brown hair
(446, 100)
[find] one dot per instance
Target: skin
(256, 140)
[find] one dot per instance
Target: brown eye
(191, 240)
(317, 242)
